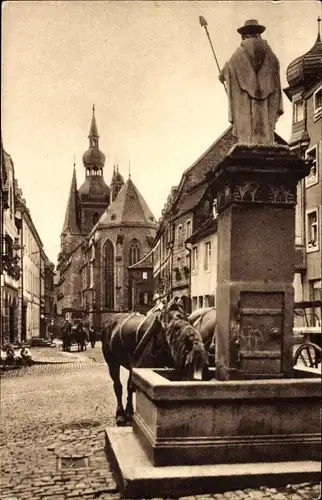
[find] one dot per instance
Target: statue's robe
(254, 92)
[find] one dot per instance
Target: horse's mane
(185, 344)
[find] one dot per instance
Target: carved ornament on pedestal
(257, 176)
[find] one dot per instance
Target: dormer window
(298, 111)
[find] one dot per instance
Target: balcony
(300, 258)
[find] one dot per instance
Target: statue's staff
(204, 24)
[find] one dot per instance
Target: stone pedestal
(255, 188)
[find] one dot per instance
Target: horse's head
(187, 349)
(173, 310)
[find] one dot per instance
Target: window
(134, 252)
(312, 226)
(187, 260)
(144, 275)
(108, 274)
(180, 234)
(298, 111)
(207, 256)
(312, 178)
(194, 259)
(214, 209)
(146, 298)
(201, 301)
(317, 103)
(188, 229)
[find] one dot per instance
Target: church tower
(71, 227)
(94, 194)
(116, 184)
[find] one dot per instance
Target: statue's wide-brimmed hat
(251, 26)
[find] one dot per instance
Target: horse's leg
(129, 404)
(114, 369)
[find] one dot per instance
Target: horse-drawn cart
(309, 352)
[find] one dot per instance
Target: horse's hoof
(129, 420)
(120, 421)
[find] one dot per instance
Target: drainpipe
(188, 247)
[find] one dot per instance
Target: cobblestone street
(52, 434)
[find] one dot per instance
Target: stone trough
(201, 437)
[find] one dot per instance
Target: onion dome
(93, 157)
(307, 69)
(117, 176)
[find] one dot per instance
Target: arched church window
(108, 274)
(95, 218)
(134, 252)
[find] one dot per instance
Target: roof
(129, 208)
(192, 199)
(306, 69)
(95, 187)
(198, 170)
(70, 222)
(93, 132)
(208, 227)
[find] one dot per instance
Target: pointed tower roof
(93, 157)
(93, 132)
(70, 222)
(129, 208)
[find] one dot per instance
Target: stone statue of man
(254, 87)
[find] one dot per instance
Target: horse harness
(138, 343)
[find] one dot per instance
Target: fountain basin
(214, 422)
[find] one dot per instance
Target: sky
(148, 68)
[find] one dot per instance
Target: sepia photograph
(161, 249)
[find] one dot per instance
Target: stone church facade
(106, 230)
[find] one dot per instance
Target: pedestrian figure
(66, 335)
(81, 336)
(10, 358)
(92, 336)
(25, 355)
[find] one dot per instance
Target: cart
(309, 352)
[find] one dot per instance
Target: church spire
(319, 30)
(93, 132)
(70, 222)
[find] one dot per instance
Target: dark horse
(132, 340)
(204, 320)
(157, 340)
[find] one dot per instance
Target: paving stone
(60, 410)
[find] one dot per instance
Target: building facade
(304, 77)
(32, 282)
(22, 302)
(185, 248)
(84, 208)
(10, 265)
(203, 244)
(106, 230)
(122, 237)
